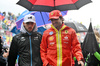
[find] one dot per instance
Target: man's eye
(56, 19)
(53, 19)
(27, 23)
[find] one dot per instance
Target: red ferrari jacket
(57, 47)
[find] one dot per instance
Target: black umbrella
(49, 5)
(25, 3)
(78, 27)
(90, 44)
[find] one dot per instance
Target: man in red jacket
(59, 43)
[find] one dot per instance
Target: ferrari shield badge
(66, 31)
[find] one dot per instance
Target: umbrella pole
(54, 4)
(42, 18)
(90, 19)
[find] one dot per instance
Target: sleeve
(13, 53)
(76, 47)
(87, 61)
(43, 50)
(97, 55)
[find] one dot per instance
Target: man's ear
(23, 23)
(35, 23)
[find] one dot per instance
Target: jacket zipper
(59, 49)
(30, 49)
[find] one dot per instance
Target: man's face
(29, 26)
(56, 22)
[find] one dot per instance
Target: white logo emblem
(52, 43)
(35, 38)
(51, 33)
(22, 38)
(65, 38)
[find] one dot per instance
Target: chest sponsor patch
(51, 33)
(23, 39)
(51, 38)
(65, 38)
(51, 43)
(35, 38)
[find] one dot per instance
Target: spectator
(2, 59)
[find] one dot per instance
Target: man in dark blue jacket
(26, 44)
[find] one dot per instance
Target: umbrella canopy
(41, 18)
(78, 27)
(90, 44)
(49, 5)
(41, 30)
(16, 31)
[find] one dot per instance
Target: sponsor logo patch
(35, 38)
(52, 43)
(51, 33)
(23, 39)
(51, 38)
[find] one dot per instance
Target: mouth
(30, 28)
(54, 23)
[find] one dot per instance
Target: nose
(30, 24)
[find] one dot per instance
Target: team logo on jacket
(22, 38)
(35, 38)
(51, 38)
(52, 43)
(51, 33)
(65, 38)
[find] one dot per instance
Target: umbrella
(41, 18)
(17, 31)
(90, 44)
(41, 30)
(78, 27)
(49, 5)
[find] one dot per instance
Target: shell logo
(51, 38)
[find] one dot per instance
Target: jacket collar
(62, 27)
(27, 34)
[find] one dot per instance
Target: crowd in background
(7, 21)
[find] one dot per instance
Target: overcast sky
(91, 10)
(11, 6)
(85, 13)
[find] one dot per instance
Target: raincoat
(57, 47)
(93, 59)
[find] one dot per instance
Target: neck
(59, 27)
(29, 33)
